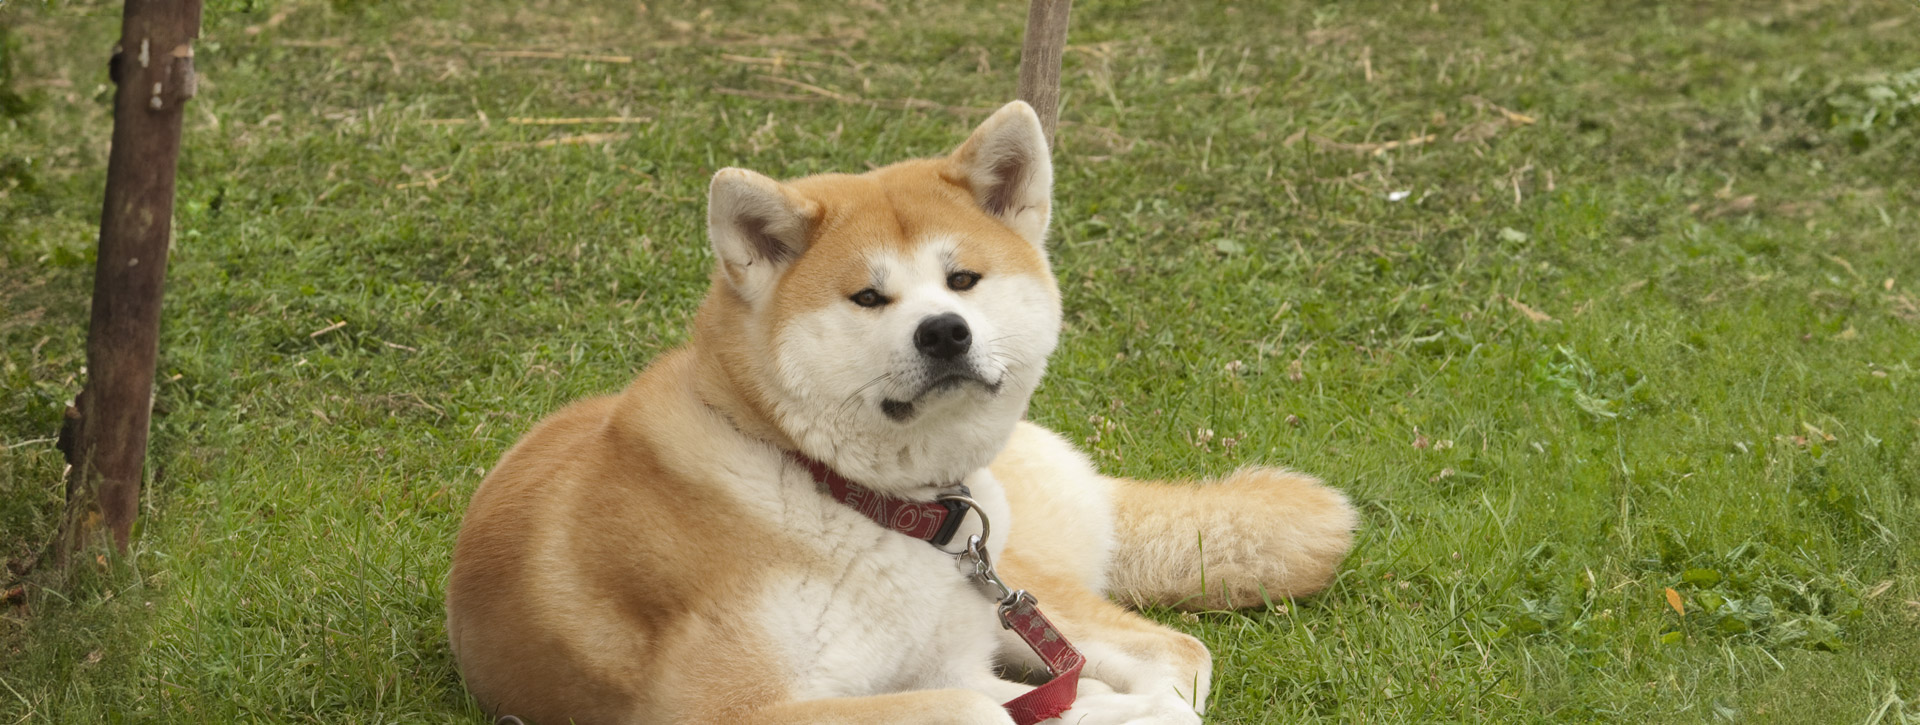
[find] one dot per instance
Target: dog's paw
(1114, 708)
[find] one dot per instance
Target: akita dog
(816, 511)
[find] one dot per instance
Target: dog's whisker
(855, 395)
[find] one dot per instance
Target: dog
(682, 551)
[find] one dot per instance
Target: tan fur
(602, 568)
(546, 526)
(1256, 536)
(856, 216)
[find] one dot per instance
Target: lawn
(1607, 316)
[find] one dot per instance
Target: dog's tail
(1258, 535)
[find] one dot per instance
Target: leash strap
(1063, 662)
(935, 523)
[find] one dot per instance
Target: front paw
(1105, 707)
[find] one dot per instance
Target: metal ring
(976, 548)
(986, 526)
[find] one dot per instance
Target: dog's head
(891, 324)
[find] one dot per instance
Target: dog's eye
(869, 297)
(962, 281)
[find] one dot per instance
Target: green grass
(1666, 335)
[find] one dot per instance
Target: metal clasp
(1006, 598)
(983, 570)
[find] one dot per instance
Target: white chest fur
(873, 610)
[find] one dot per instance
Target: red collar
(935, 523)
(931, 521)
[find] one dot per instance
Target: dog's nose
(943, 337)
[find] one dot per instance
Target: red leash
(935, 522)
(1063, 662)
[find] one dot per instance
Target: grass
(1619, 353)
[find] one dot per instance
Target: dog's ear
(1007, 166)
(757, 227)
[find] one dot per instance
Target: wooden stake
(105, 436)
(1040, 60)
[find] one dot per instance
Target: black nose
(943, 337)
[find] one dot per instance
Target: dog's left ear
(1007, 166)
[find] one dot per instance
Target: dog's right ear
(757, 227)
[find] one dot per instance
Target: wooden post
(105, 437)
(1040, 60)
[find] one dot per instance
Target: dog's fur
(657, 557)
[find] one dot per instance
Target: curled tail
(1257, 535)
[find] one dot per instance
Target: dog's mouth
(901, 411)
